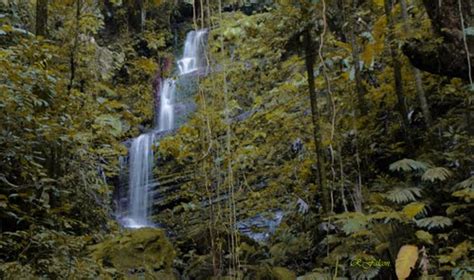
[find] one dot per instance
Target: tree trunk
(397, 73)
(136, 15)
(448, 57)
(41, 17)
(420, 92)
(360, 90)
(322, 195)
(75, 46)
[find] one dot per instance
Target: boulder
(144, 252)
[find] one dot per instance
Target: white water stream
(141, 159)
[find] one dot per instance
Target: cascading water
(193, 49)
(167, 113)
(141, 159)
(141, 164)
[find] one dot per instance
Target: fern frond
(363, 274)
(424, 236)
(407, 165)
(466, 194)
(353, 226)
(387, 216)
(467, 184)
(458, 252)
(403, 195)
(434, 222)
(436, 173)
(465, 190)
(316, 276)
(453, 208)
(353, 222)
(413, 209)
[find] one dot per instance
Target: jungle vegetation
(353, 117)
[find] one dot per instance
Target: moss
(274, 273)
(282, 273)
(143, 252)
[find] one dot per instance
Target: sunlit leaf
(406, 260)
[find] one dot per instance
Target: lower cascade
(141, 165)
(140, 154)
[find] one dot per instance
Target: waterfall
(167, 99)
(192, 59)
(141, 165)
(140, 154)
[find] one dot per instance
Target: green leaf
(353, 225)
(424, 236)
(436, 173)
(434, 222)
(356, 222)
(111, 123)
(468, 183)
(466, 194)
(408, 165)
(460, 251)
(454, 207)
(413, 209)
(403, 195)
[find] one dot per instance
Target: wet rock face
(260, 227)
(144, 252)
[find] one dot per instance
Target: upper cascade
(193, 56)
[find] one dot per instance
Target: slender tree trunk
(72, 58)
(356, 61)
(322, 196)
(41, 17)
(397, 73)
(361, 108)
(420, 92)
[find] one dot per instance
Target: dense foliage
(372, 161)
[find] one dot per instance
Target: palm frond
(467, 184)
(436, 173)
(403, 195)
(407, 165)
(434, 222)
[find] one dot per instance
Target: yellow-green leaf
(406, 260)
(424, 236)
(413, 209)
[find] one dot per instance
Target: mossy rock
(144, 253)
(281, 273)
(274, 273)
